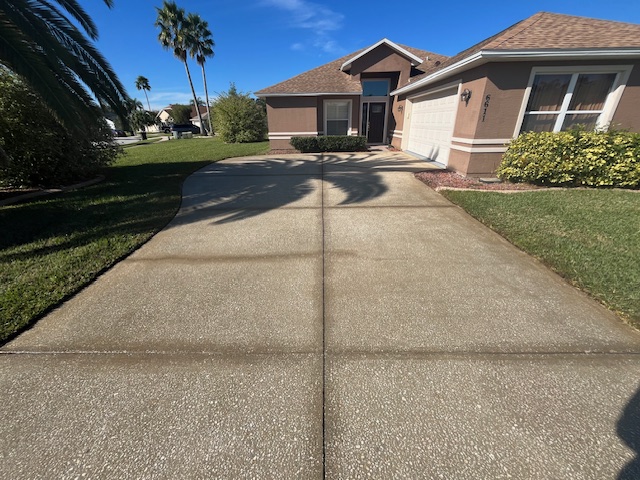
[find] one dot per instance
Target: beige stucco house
(165, 119)
(549, 72)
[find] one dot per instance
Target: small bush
(238, 118)
(574, 158)
(330, 143)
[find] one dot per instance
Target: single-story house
(549, 72)
(165, 118)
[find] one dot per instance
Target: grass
(52, 247)
(591, 237)
(142, 142)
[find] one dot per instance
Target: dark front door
(375, 128)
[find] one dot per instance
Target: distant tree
(238, 117)
(200, 102)
(175, 35)
(142, 83)
(201, 48)
(140, 119)
(181, 113)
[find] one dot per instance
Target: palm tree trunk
(206, 94)
(145, 94)
(195, 99)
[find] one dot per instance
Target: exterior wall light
(465, 96)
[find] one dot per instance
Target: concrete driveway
(323, 316)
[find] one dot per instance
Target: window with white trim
(561, 101)
(337, 117)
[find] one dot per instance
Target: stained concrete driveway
(320, 316)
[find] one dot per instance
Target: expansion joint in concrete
(324, 346)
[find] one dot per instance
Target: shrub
(38, 150)
(574, 158)
(329, 143)
(238, 118)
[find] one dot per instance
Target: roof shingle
(328, 78)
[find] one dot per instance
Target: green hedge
(329, 143)
(574, 158)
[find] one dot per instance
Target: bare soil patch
(444, 179)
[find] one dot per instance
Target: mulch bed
(443, 179)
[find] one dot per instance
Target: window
(561, 101)
(375, 88)
(337, 115)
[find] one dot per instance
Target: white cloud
(160, 100)
(329, 46)
(315, 18)
(309, 15)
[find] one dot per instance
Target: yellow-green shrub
(574, 158)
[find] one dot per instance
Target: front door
(373, 117)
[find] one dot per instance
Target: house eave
(415, 60)
(316, 94)
(485, 56)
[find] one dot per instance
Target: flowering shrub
(574, 158)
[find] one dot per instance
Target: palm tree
(142, 83)
(40, 42)
(201, 48)
(175, 35)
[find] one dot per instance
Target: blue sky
(262, 42)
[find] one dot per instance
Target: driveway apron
(323, 316)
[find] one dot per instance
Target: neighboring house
(196, 121)
(165, 118)
(547, 73)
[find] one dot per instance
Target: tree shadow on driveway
(237, 190)
(628, 430)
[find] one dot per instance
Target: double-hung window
(564, 100)
(337, 117)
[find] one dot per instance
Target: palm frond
(40, 43)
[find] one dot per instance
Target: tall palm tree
(201, 48)
(40, 42)
(142, 83)
(175, 35)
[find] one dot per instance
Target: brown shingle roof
(556, 31)
(552, 30)
(329, 79)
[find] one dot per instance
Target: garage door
(431, 125)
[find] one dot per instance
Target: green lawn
(591, 237)
(52, 247)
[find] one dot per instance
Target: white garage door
(431, 127)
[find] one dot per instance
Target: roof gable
(414, 59)
(329, 78)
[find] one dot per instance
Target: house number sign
(486, 105)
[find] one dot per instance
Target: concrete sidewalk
(317, 316)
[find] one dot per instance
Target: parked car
(185, 127)
(118, 133)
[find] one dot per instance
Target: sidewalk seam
(324, 346)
